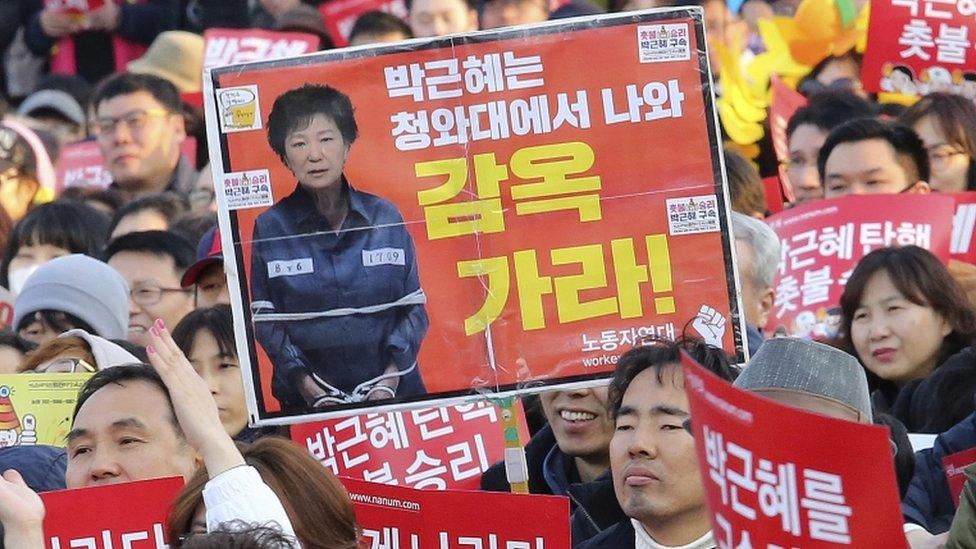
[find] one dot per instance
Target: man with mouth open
(652, 456)
(570, 457)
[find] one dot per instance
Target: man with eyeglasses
(139, 128)
(207, 276)
(152, 263)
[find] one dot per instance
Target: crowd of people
(126, 281)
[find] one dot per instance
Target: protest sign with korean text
(37, 408)
(777, 476)
(90, 517)
(229, 46)
(440, 448)
(822, 242)
(395, 516)
(917, 47)
(81, 165)
(496, 224)
(341, 15)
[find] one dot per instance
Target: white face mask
(18, 277)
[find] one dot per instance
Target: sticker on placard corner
(692, 214)
(240, 109)
(664, 42)
(250, 189)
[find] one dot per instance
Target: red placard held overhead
(785, 101)
(777, 476)
(916, 47)
(444, 447)
(394, 516)
(822, 242)
(131, 514)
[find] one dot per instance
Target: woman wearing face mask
(946, 123)
(910, 325)
(49, 231)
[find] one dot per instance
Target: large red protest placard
(551, 221)
(228, 46)
(779, 476)
(444, 447)
(916, 47)
(131, 514)
(394, 516)
(822, 242)
(341, 15)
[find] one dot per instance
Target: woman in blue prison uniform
(336, 295)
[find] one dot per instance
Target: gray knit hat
(808, 367)
(81, 286)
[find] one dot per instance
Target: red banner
(341, 15)
(394, 516)
(963, 245)
(779, 476)
(541, 223)
(916, 47)
(783, 103)
(81, 165)
(232, 46)
(823, 241)
(132, 514)
(441, 448)
(954, 467)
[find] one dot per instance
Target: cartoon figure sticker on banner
(459, 216)
(239, 109)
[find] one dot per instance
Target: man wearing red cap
(208, 272)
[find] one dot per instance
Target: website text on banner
(78, 517)
(917, 47)
(468, 215)
(395, 516)
(768, 483)
(822, 242)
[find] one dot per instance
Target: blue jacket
(928, 501)
(300, 265)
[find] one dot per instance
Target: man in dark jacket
(929, 501)
(570, 457)
(653, 460)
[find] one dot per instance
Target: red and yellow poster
(505, 211)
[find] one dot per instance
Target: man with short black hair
(442, 17)
(124, 428)
(869, 156)
(139, 128)
(806, 132)
(375, 27)
(152, 263)
(652, 457)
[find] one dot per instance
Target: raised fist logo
(710, 325)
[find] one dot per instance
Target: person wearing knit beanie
(81, 291)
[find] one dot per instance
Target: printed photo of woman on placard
(336, 297)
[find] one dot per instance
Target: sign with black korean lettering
(499, 212)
